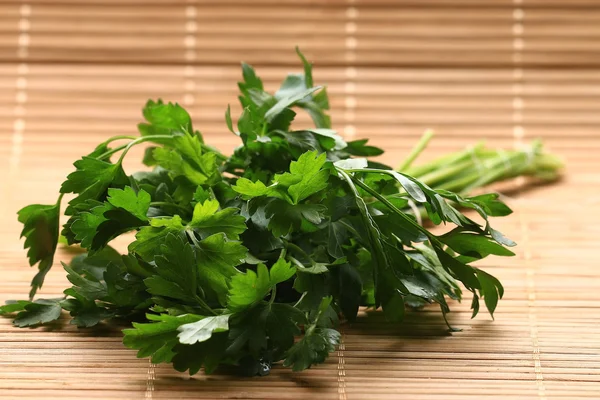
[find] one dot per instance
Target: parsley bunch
(252, 259)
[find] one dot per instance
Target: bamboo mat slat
(506, 71)
(386, 34)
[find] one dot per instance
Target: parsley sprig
(253, 258)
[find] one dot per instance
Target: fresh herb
(253, 258)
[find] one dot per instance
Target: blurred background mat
(75, 72)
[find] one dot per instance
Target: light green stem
(441, 174)
(109, 153)
(139, 140)
(119, 137)
(418, 149)
(442, 162)
(475, 167)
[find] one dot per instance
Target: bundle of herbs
(253, 258)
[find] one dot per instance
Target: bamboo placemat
(74, 72)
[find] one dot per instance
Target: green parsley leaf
(13, 306)
(85, 287)
(216, 259)
(208, 354)
(149, 238)
(305, 177)
(250, 190)
(287, 101)
(176, 275)
(283, 324)
(123, 211)
(85, 313)
(203, 329)
(473, 245)
(285, 218)
(164, 119)
(136, 204)
(157, 338)
(251, 80)
(34, 313)
(313, 348)
(40, 229)
(251, 287)
(491, 290)
(91, 180)
(248, 328)
(208, 220)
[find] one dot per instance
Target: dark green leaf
(207, 354)
(473, 245)
(312, 349)
(282, 326)
(12, 306)
(349, 290)
(228, 120)
(157, 338)
(491, 289)
(91, 180)
(38, 312)
(285, 218)
(40, 229)
(492, 206)
(338, 236)
(216, 259)
(176, 272)
(86, 287)
(149, 238)
(308, 80)
(359, 148)
(248, 328)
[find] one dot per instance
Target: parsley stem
(443, 162)
(376, 247)
(273, 294)
(373, 171)
(192, 237)
(138, 141)
(109, 153)
(392, 207)
(142, 139)
(120, 137)
(350, 228)
(478, 166)
(434, 178)
(296, 248)
(116, 149)
(295, 261)
(418, 149)
(203, 304)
